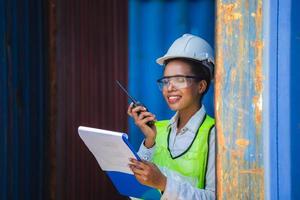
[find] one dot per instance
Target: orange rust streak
(259, 171)
(242, 142)
(218, 94)
(257, 109)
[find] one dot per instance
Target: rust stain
(258, 75)
(258, 78)
(229, 12)
(219, 73)
(243, 143)
(218, 96)
(258, 44)
(257, 101)
(258, 47)
(236, 154)
(233, 108)
(221, 140)
(259, 171)
(219, 176)
(232, 16)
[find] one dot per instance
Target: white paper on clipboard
(109, 148)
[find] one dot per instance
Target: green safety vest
(193, 162)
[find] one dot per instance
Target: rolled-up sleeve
(146, 153)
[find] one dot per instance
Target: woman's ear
(202, 86)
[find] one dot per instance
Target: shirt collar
(194, 123)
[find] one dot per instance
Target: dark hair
(198, 69)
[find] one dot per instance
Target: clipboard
(112, 151)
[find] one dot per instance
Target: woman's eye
(180, 79)
(165, 81)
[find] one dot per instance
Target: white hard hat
(191, 47)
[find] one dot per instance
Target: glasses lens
(160, 85)
(163, 82)
(179, 81)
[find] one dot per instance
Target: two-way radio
(134, 101)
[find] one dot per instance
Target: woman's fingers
(133, 111)
(148, 173)
(141, 119)
(139, 167)
(140, 164)
(146, 120)
(141, 116)
(146, 114)
(138, 109)
(137, 163)
(129, 110)
(136, 170)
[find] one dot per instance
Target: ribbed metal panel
(22, 100)
(91, 54)
(294, 97)
(238, 95)
(282, 33)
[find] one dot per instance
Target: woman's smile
(172, 99)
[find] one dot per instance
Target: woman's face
(180, 99)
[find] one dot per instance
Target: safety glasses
(178, 81)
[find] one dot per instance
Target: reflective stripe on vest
(193, 162)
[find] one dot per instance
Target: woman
(179, 154)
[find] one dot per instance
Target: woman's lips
(173, 99)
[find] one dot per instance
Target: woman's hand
(141, 117)
(148, 173)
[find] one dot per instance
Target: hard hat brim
(162, 60)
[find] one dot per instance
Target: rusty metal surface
(91, 54)
(52, 96)
(238, 97)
